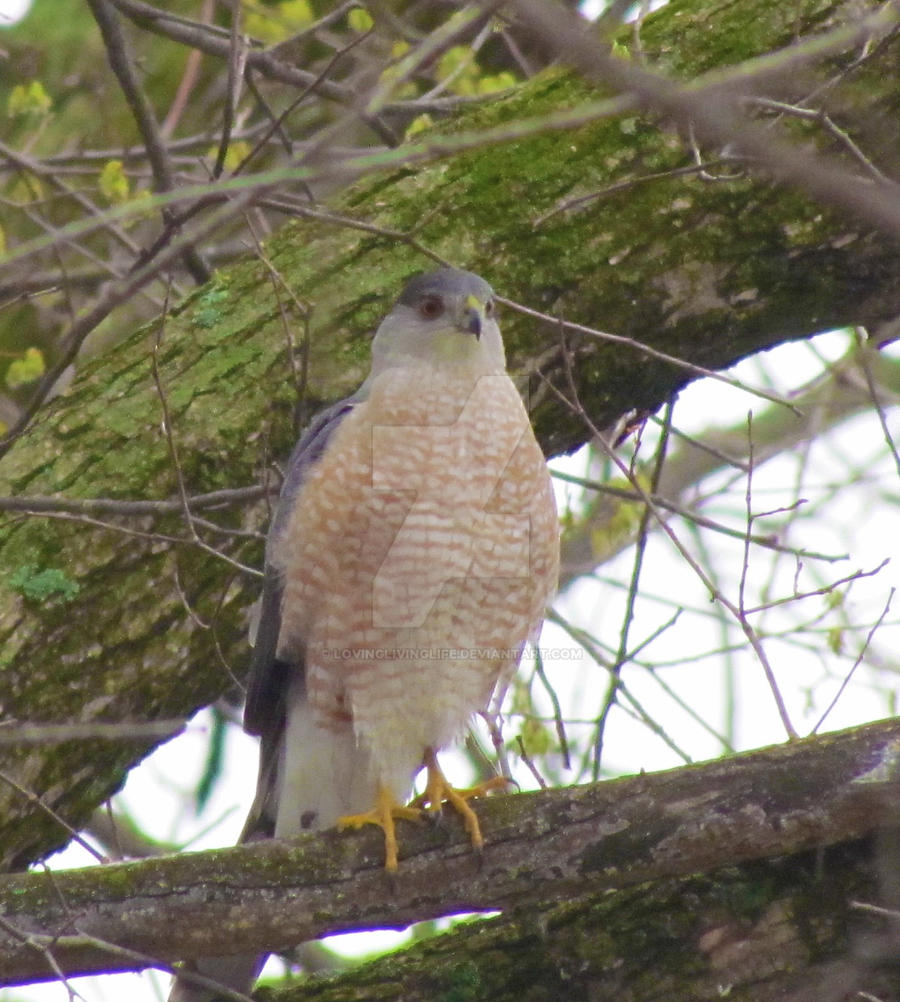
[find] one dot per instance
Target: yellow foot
(438, 792)
(383, 814)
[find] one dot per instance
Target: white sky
(12, 11)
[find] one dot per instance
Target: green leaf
(620, 51)
(113, 182)
(279, 22)
(360, 20)
(496, 81)
(836, 639)
(25, 369)
(459, 65)
(536, 738)
(28, 99)
(419, 124)
(26, 188)
(235, 155)
(619, 521)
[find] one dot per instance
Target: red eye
(431, 307)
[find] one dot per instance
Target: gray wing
(269, 677)
(267, 687)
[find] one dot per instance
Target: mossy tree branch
(543, 851)
(783, 929)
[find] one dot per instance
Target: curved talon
(438, 791)
(383, 814)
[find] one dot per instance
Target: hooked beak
(470, 319)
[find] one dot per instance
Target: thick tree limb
(781, 930)
(542, 849)
(714, 120)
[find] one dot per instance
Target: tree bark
(782, 929)
(544, 853)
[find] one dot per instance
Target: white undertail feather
(324, 773)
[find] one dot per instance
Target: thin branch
(16, 732)
(185, 86)
(645, 349)
(628, 184)
(121, 63)
(558, 721)
(863, 362)
(708, 583)
(615, 670)
(122, 66)
(237, 58)
(690, 515)
(819, 115)
(93, 211)
(189, 519)
(43, 946)
(846, 680)
(37, 504)
(277, 122)
(827, 589)
(629, 702)
(33, 798)
(117, 293)
(199, 36)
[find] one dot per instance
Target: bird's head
(443, 317)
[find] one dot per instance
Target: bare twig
(846, 680)
(629, 183)
(122, 65)
(644, 349)
(558, 721)
(38, 504)
(691, 515)
(824, 590)
(200, 36)
(14, 732)
(714, 591)
(819, 115)
(189, 519)
(33, 798)
(237, 58)
(42, 945)
(615, 670)
(866, 368)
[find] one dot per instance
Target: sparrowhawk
(410, 558)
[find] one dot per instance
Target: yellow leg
(438, 791)
(383, 814)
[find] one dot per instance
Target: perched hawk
(412, 553)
